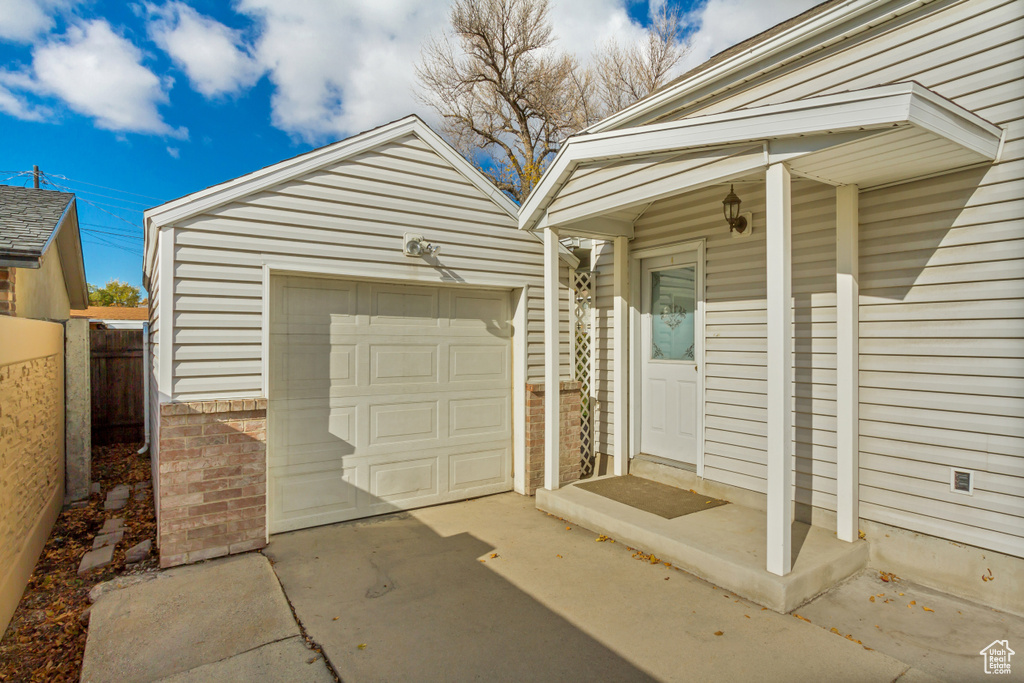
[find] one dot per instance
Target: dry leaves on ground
(45, 640)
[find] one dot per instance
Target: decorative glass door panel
(673, 311)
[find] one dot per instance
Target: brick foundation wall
(569, 431)
(212, 479)
(7, 301)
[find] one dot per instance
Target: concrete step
(725, 545)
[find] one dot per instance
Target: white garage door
(385, 397)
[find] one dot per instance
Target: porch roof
(869, 138)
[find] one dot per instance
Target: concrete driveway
(493, 589)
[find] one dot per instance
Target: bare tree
(624, 75)
(501, 87)
(508, 97)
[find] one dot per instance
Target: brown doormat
(651, 496)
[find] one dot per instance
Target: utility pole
(35, 176)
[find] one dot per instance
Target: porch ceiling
(598, 184)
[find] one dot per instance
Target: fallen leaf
(361, 646)
(601, 539)
(481, 560)
(493, 555)
(927, 609)
(872, 598)
(568, 528)
(795, 615)
(558, 556)
(912, 602)
(747, 616)
(335, 618)
(666, 578)
(719, 633)
(860, 534)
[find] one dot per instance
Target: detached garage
(347, 333)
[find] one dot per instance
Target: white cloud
(340, 67)
(16, 105)
(720, 24)
(174, 152)
(100, 74)
(21, 21)
(210, 53)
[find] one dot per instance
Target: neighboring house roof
(113, 313)
(31, 220)
(828, 23)
(295, 167)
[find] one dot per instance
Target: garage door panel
(402, 305)
(403, 363)
(477, 468)
(398, 397)
(484, 311)
(312, 433)
(478, 417)
(310, 370)
(310, 305)
(392, 423)
(478, 362)
(403, 480)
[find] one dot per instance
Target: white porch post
(552, 437)
(847, 363)
(620, 364)
(780, 369)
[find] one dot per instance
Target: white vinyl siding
(354, 212)
(735, 287)
(942, 290)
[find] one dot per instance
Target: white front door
(671, 347)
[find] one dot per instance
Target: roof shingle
(28, 218)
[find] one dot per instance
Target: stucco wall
(31, 448)
(41, 292)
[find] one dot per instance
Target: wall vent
(961, 481)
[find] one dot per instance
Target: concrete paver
(424, 596)
(109, 538)
(185, 618)
(99, 557)
(111, 525)
(936, 633)
(138, 552)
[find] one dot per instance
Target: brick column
(213, 479)
(569, 430)
(8, 304)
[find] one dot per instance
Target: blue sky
(133, 104)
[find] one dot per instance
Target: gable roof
(29, 219)
(289, 169)
(829, 22)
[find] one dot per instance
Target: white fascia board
(876, 108)
(820, 26)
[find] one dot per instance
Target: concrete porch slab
(723, 545)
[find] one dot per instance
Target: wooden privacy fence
(117, 386)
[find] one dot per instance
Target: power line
(104, 187)
(113, 234)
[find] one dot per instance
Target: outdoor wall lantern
(415, 245)
(731, 208)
